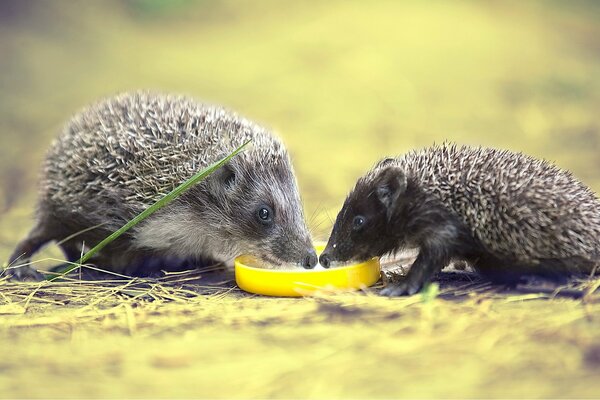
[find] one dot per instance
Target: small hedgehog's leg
(503, 271)
(562, 270)
(429, 262)
(498, 271)
(441, 240)
(18, 267)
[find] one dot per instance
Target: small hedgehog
(121, 155)
(505, 213)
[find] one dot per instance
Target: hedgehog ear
(225, 177)
(390, 184)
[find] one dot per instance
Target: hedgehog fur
(506, 213)
(119, 156)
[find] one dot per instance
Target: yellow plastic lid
(303, 282)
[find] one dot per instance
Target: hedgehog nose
(325, 260)
(310, 260)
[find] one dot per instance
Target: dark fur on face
(362, 229)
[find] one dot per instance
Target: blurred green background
(344, 83)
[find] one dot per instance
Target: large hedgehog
(122, 154)
(506, 213)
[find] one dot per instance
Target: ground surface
(344, 83)
(161, 338)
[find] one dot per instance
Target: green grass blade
(150, 210)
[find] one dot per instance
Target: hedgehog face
(259, 211)
(362, 227)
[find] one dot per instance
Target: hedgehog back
(515, 205)
(124, 153)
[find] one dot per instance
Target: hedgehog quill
(119, 156)
(508, 214)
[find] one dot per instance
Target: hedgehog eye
(358, 222)
(264, 215)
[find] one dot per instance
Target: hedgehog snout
(325, 260)
(310, 260)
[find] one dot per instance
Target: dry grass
(194, 334)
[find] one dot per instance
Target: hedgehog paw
(23, 273)
(405, 288)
